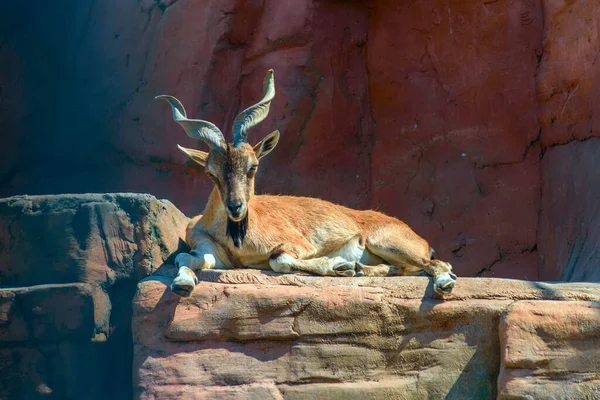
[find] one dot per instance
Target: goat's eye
(211, 176)
(252, 171)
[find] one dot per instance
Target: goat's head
(230, 165)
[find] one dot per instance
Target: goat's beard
(236, 230)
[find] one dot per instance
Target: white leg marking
(209, 261)
(282, 264)
(185, 282)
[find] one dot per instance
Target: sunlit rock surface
(250, 334)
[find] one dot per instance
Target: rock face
(568, 233)
(551, 350)
(99, 238)
(249, 334)
(69, 265)
(48, 342)
(445, 115)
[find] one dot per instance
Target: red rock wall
(568, 91)
(436, 112)
(453, 99)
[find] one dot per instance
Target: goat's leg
(375, 270)
(323, 266)
(286, 259)
(444, 280)
(186, 279)
(408, 256)
(203, 256)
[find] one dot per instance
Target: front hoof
(184, 283)
(444, 283)
(182, 289)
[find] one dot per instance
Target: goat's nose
(235, 207)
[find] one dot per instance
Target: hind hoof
(360, 269)
(444, 283)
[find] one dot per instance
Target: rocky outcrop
(49, 347)
(550, 350)
(97, 238)
(445, 114)
(69, 266)
(251, 334)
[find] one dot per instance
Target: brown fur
(314, 228)
(305, 228)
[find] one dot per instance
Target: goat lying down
(284, 233)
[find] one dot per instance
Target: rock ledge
(253, 334)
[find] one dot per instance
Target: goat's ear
(196, 155)
(266, 145)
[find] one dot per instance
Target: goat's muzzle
(236, 210)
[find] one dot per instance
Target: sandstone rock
(71, 264)
(551, 350)
(258, 335)
(63, 370)
(47, 313)
(47, 336)
(90, 238)
(450, 163)
(568, 90)
(570, 213)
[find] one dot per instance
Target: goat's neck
(214, 212)
(216, 216)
